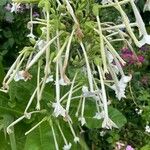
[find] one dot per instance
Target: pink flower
(141, 58)
(129, 147)
(130, 58)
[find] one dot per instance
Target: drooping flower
(49, 79)
(147, 6)
(108, 124)
(120, 87)
(19, 76)
(147, 128)
(31, 35)
(22, 75)
(62, 82)
(76, 139)
(67, 146)
(87, 93)
(145, 40)
(82, 120)
(58, 110)
(99, 115)
(141, 25)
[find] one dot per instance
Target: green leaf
(90, 111)
(117, 117)
(146, 147)
(40, 138)
(3, 2)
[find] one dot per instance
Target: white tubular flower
(147, 129)
(102, 133)
(110, 59)
(141, 25)
(108, 124)
(15, 7)
(82, 120)
(145, 40)
(76, 139)
(19, 76)
(22, 75)
(147, 6)
(67, 146)
(62, 82)
(87, 93)
(49, 79)
(120, 87)
(31, 35)
(99, 115)
(58, 110)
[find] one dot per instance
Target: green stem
(12, 140)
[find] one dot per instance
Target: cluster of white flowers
(56, 61)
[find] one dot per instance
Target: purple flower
(129, 147)
(14, 7)
(144, 48)
(130, 57)
(35, 14)
(141, 58)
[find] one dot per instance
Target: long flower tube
(6, 84)
(54, 134)
(31, 35)
(30, 101)
(70, 10)
(70, 94)
(38, 124)
(41, 52)
(81, 118)
(90, 77)
(102, 50)
(67, 145)
(38, 86)
(12, 68)
(65, 78)
(47, 68)
(107, 122)
(141, 25)
(127, 23)
(113, 51)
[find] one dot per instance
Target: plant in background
(71, 62)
